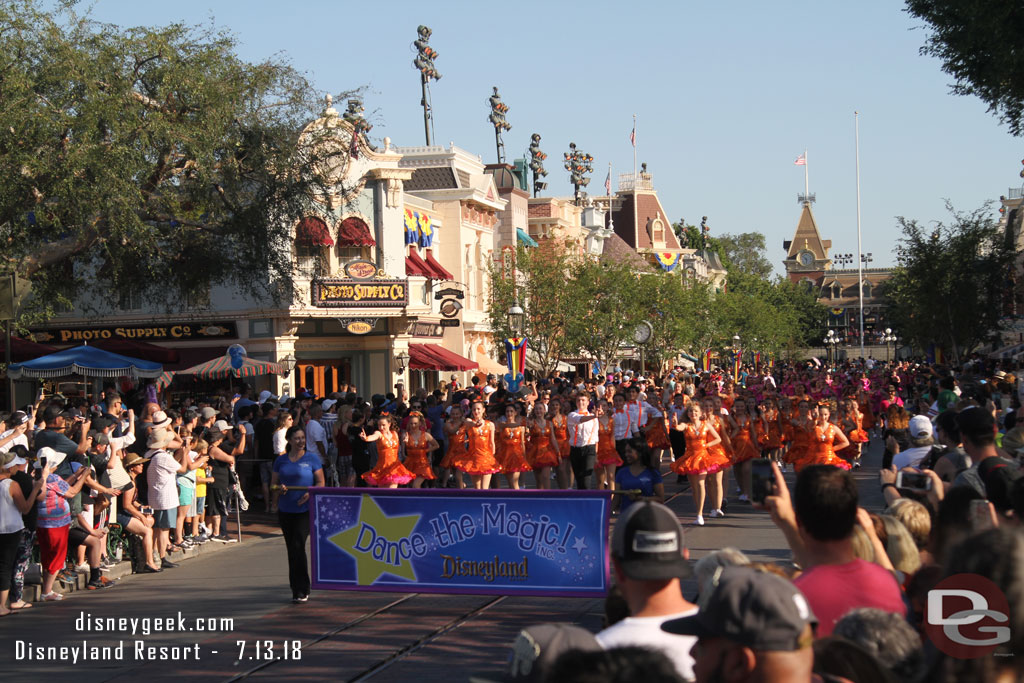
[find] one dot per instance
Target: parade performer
(769, 435)
(801, 435)
(543, 447)
(700, 460)
(744, 444)
(479, 461)
(389, 472)
(825, 438)
(458, 443)
(512, 446)
(852, 423)
(560, 425)
(299, 468)
(607, 457)
(418, 444)
(649, 421)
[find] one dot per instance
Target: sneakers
(52, 596)
(298, 599)
(699, 521)
(96, 585)
(743, 498)
(201, 539)
(82, 568)
(167, 564)
(224, 538)
(716, 513)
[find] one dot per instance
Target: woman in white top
(280, 443)
(13, 504)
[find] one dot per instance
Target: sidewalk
(256, 525)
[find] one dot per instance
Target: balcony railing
(640, 181)
(1015, 193)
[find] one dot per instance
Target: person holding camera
(135, 518)
(55, 515)
(163, 489)
(15, 505)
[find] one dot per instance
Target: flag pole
(611, 219)
(634, 149)
(636, 187)
(807, 179)
(860, 257)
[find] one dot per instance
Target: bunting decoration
(668, 262)
(411, 227)
(419, 229)
(515, 359)
(705, 361)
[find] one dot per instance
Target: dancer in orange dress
(512, 440)
(563, 474)
(826, 436)
(744, 445)
(418, 445)
(769, 435)
(607, 457)
(851, 421)
(699, 460)
(543, 447)
(801, 434)
(719, 482)
(458, 443)
(389, 472)
(479, 462)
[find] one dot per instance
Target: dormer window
(658, 232)
(835, 290)
(867, 289)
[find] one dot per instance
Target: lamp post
(402, 361)
(830, 346)
(889, 338)
(500, 123)
(515, 348)
(578, 164)
(736, 358)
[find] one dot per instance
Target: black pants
(361, 465)
(582, 460)
(678, 441)
(295, 527)
(8, 552)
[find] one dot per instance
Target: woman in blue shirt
(297, 468)
(639, 474)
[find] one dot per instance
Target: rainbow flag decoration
(737, 359)
(668, 262)
(515, 359)
(705, 361)
(411, 227)
(418, 229)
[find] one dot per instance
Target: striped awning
(164, 380)
(220, 368)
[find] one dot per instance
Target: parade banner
(460, 541)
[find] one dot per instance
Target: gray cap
(647, 543)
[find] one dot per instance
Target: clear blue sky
(727, 96)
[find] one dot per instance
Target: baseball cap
(755, 609)
(207, 412)
(648, 543)
(535, 650)
(920, 427)
(222, 425)
(265, 396)
(998, 475)
(99, 438)
(328, 403)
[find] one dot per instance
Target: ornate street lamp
(889, 337)
(830, 346)
(516, 317)
(578, 164)
(537, 158)
(402, 361)
(500, 123)
(515, 348)
(424, 63)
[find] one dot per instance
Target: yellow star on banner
(373, 543)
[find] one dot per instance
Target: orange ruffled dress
(457, 445)
(657, 434)
(388, 470)
(513, 449)
(820, 452)
(744, 444)
(770, 438)
(800, 446)
(543, 454)
(606, 453)
(724, 449)
(479, 459)
(417, 456)
(562, 436)
(698, 459)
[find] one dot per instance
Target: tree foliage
(979, 44)
(744, 254)
(950, 281)
(153, 158)
(610, 307)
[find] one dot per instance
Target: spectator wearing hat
(131, 515)
(649, 559)
(537, 649)
(26, 482)
(818, 523)
(14, 505)
(142, 428)
(54, 516)
(751, 626)
(53, 435)
(161, 478)
(15, 433)
(921, 442)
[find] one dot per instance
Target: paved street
(343, 636)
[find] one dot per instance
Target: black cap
(18, 418)
(998, 475)
(752, 608)
(648, 544)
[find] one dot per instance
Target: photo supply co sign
(438, 541)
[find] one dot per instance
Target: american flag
(608, 182)
(632, 135)
(801, 160)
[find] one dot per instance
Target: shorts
(165, 519)
(76, 537)
(345, 471)
(200, 504)
(53, 548)
(216, 502)
(123, 518)
(266, 471)
(185, 495)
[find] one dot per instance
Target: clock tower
(807, 254)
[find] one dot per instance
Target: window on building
(129, 300)
(835, 290)
(311, 260)
(349, 254)
(658, 233)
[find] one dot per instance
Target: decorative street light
(516, 317)
(424, 63)
(497, 118)
(537, 158)
(889, 337)
(402, 361)
(515, 348)
(830, 346)
(578, 164)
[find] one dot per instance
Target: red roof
(437, 267)
(435, 357)
(313, 231)
(353, 232)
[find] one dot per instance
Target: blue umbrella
(88, 361)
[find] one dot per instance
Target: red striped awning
(313, 232)
(437, 267)
(436, 357)
(415, 265)
(353, 232)
(220, 368)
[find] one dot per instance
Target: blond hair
(914, 516)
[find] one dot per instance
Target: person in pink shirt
(818, 523)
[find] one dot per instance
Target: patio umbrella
(87, 361)
(220, 368)
(164, 380)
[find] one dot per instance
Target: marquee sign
(170, 331)
(350, 293)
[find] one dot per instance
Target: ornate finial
(497, 118)
(329, 109)
(537, 158)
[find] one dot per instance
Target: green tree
(744, 253)
(154, 159)
(610, 307)
(548, 301)
(950, 281)
(676, 311)
(979, 44)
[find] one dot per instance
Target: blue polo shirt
(298, 473)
